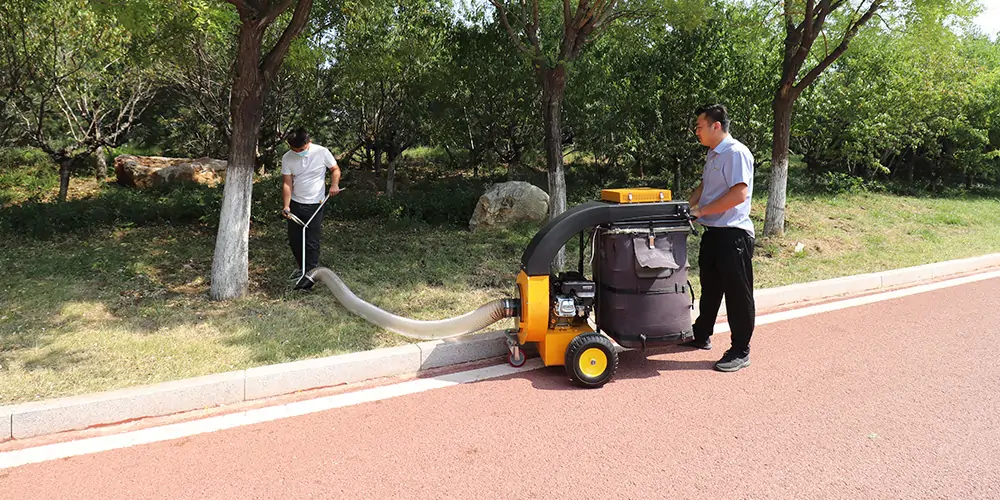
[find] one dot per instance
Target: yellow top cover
(635, 195)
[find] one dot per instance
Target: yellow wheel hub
(593, 362)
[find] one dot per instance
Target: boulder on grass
(154, 171)
(206, 171)
(510, 202)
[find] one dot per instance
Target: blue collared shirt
(728, 164)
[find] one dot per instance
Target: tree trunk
(553, 89)
(368, 157)
(677, 179)
(65, 166)
(514, 163)
(378, 160)
(230, 265)
(344, 160)
(390, 181)
(774, 217)
(102, 165)
(451, 157)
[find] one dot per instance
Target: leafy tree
(633, 108)
(803, 62)
(489, 107)
(79, 77)
(805, 22)
(389, 59)
(552, 35)
(254, 74)
(901, 105)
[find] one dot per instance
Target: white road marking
(175, 431)
(861, 301)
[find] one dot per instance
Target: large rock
(510, 202)
(149, 171)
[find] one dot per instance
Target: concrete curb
(80, 412)
(6, 419)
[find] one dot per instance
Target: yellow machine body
(534, 324)
(636, 195)
(553, 309)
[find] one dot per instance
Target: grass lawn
(128, 305)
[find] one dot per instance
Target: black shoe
(698, 344)
(304, 284)
(733, 361)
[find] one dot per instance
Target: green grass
(131, 307)
(110, 290)
(861, 233)
(26, 175)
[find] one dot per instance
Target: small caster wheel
(516, 358)
(591, 360)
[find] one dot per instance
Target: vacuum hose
(470, 322)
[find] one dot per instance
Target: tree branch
(604, 14)
(609, 19)
(67, 110)
(807, 19)
(502, 11)
(277, 54)
(274, 11)
(533, 29)
(241, 6)
(848, 35)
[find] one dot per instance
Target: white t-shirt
(308, 173)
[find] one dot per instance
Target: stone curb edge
(89, 410)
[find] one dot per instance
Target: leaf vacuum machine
(637, 295)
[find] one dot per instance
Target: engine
(572, 299)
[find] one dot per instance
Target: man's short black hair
(715, 113)
(297, 138)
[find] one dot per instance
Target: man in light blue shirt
(721, 203)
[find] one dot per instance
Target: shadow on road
(632, 364)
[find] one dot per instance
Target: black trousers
(313, 233)
(726, 270)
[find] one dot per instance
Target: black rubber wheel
(591, 360)
(517, 361)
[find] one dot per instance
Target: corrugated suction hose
(471, 322)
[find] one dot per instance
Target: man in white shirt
(303, 169)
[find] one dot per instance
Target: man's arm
(334, 180)
(696, 195)
(331, 165)
(286, 193)
(736, 195)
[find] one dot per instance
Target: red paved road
(897, 399)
